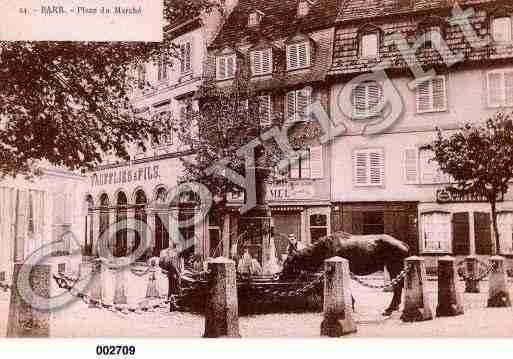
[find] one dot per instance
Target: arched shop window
(318, 227)
(140, 216)
(186, 209)
(104, 213)
(161, 224)
(121, 246)
(436, 231)
(88, 229)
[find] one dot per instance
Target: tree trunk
(496, 250)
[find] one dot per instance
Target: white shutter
(292, 57)
(508, 88)
(423, 93)
(376, 167)
(439, 94)
(373, 98)
(265, 110)
(411, 166)
(257, 62)
(221, 68)
(359, 100)
(303, 100)
(267, 61)
(494, 89)
(230, 67)
(361, 168)
(303, 55)
(316, 162)
(291, 105)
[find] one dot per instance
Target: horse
(367, 254)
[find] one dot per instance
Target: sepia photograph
(256, 169)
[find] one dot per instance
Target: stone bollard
(24, 320)
(471, 285)
(450, 302)
(338, 314)
(416, 302)
(97, 292)
(221, 308)
(498, 292)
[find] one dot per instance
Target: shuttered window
(431, 95)
(500, 88)
(436, 231)
(298, 56)
(186, 57)
(265, 107)
(366, 100)
(225, 67)
(411, 166)
(297, 103)
(368, 167)
(483, 233)
(369, 46)
(460, 230)
(261, 62)
(505, 228)
(430, 172)
(316, 162)
(501, 29)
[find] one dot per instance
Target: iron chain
(62, 282)
(5, 287)
(483, 275)
(309, 287)
(393, 283)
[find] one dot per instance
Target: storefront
(141, 190)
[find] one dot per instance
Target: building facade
(286, 47)
(35, 213)
(139, 189)
(387, 183)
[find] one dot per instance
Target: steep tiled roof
(279, 21)
(364, 9)
(345, 54)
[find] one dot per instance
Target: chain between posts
(393, 283)
(482, 276)
(283, 293)
(62, 282)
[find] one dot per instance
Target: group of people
(170, 263)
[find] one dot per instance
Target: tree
(69, 102)
(479, 158)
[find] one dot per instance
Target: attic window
(255, 18)
(303, 8)
(298, 55)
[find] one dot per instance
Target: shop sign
(290, 191)
(125, 175)
(445, 196)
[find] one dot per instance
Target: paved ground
(77, 320)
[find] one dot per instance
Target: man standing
(169, 262)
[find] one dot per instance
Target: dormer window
(225, 67)
(262, 62)
(298, 55)
(255, 18)
(303, 8)
(501, 29)
(369, 45)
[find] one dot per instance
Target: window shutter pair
(369, 167)
(298, 56)
(261, 62)
(225, 67)
(411, 166)
(186, 57)
(297, 104)
(366, 99)
(483, 233)
(500, 89)
(431, 95)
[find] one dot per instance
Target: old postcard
(256, 169)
